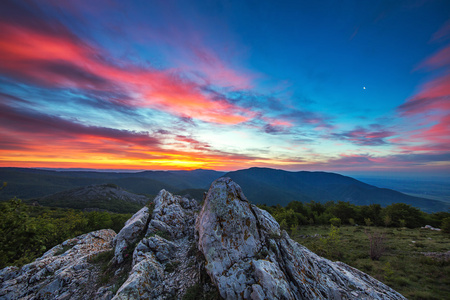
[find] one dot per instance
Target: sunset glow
(164, 85)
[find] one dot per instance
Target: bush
(376, 245)
(401, 215)
(446, 225)
(330, 246)
(26, 232)
(335, 222)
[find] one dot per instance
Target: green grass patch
(402, 266)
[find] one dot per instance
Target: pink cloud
(62, 60)
(217, 72)
(437, 60)
(442, 33)
(429, 108)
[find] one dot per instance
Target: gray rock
(431, 228)
(230, 249)
(68, 275)
(162, 265)
(248, 257)
(130, 233)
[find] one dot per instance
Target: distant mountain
(271, 187)
(96, 197)
(430, 188)
(32, 183)
(261, 185)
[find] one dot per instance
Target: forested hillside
(271, 187)
(26, 231)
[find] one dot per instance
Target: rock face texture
(163, 266)
(63, 272)
(230, 249)
(248, 257)
(130, 233)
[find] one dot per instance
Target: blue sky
(347, 86)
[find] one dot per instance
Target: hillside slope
(32, 183)
(103, 197)
(271, 187)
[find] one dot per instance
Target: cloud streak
(59, 59)
(430, 107)
(364, 136)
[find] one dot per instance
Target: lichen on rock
(248, 257)
(63, 272)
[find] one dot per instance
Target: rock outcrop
(130, 233)
(63, 272)
(248, 257)
(163, 266)
(229, 249)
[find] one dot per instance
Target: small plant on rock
(172, 266)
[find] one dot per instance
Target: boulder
(248, 257)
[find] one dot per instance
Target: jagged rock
(61, 273)
(130, 233)
(248, 258)
(230, 249)
(162, 264)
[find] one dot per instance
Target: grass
(402, 266)
(164, 234)
(63, 249)
(108, 271)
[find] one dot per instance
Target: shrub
(376, 245)
(446, 225)
(330, 245)
(335, 222)
(388, 272)
(368, 222)
(387, 220)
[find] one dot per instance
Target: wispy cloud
(376, 135)
(429, 107)
(59, 59)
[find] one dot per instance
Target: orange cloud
(62, 60)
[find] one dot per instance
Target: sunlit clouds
(134, 85)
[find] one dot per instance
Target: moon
(364, 88)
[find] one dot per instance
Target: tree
(446, 225)
(298, 207)
(344, 211)
(372, 212)
(411, 216)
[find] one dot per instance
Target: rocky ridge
(229, 249)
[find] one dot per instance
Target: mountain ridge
(266, 184)
(262, 185)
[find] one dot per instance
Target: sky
(356, 87)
